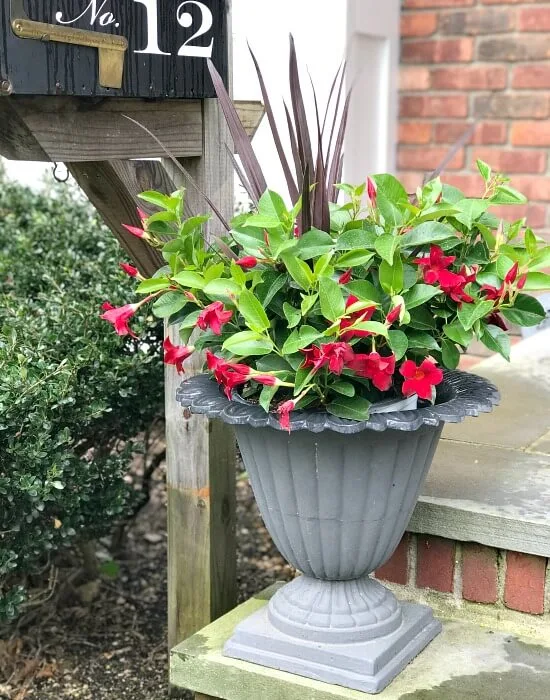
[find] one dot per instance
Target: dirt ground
(108, 639)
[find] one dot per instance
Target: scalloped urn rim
(461, 394)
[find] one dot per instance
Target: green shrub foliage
(73, 395)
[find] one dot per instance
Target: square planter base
(366, 666)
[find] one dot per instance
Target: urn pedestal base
(386, 637)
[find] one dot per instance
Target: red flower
(228, 374)
(420, 379)
(176, 354)
(356, 317)
(512, 274)
(313, 357)
(284, 411)
(453, 286)
(129, 269)
(135, 231)
(214, 317)
(434, 264)
(394, 314)
(266, 379)
(371, 192)
(296, 231)
(493, 293)
(335, 355)
(495, 319)
(247, 263)
(120, 317)
(142, 215)
(345, 277)
(521, 282)
(379, 370)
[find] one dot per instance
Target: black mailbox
(120, 48)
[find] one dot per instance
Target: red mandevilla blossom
(228, 374)
(493, 293)
(378, 369)
(345, 277)
(434, 264)
(420, 379)
(495, 319)
(284, 411)
(356, 317)
(119, 317)
(143, 216)
(137, 232)
(247, 263)
(214, 317)
(335, 355)
(371, 192)
(512, 274)
(453, 286)
(176, 354)
(394, 315)
(130, 270)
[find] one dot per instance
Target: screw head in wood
(6, 88)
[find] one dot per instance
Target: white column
(373, 51)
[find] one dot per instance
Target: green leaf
(302, 379)
(253, 312)
(344, 388)
(354, 258)
(292, 315)
(422, 341)
(363, 290)
(248, 343)
(399, 343)
(298, 340)
(484, 169)
(386, 245)
(504, 265)
(356, 238)
(308, 302)
(496, 340)
(250, 243)
(456, 332)
(391, 276)
(271, 285)
(313, 244)
(190, 321)
(223, 290)
(355, 408)
(332, 301)
(159, 200)
(531, 243)
(537, 281)
(272, 206)
(468, 314)
(508, 195)
(299, 271)
(450, 354)
(153, 285)
(541, 260)
(428, 232)
(390, 187)
(191, 280)
(470, 210)
(266, 396)
(419, 294)
(262, 221)
(527, 311)
(372, 327)
(168, 304)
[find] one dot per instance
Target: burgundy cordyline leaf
(338, 148)
(290, 181)
(241, 140)
(305, 216)
(321, 212)
(331, 93)
(300, 119)
(336, 112)
(294, 148)
(242, 176)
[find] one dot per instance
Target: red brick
(533, 187)
(481, 21)
(485, 133)
(411, 180)
(524, 585)
(514, 48)
(534, 213)
(414, 78)
(469, 78)
(440, 51)
(479, 573)
(511, 2)
(471, 185)
(396, 569)
(534, 19)
(427, 158)
(531, 76)
(513, 160)
(434, 106)
(415, 132)
(530, 134)
(515, 106)
(416, 24)
(437, 3)
(435, 563)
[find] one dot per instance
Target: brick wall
(486, 61)
(470, 571)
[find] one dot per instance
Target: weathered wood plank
(70, 129)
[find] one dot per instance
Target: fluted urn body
(336, 497)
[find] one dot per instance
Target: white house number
(97, 14)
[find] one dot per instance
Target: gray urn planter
(336, 496)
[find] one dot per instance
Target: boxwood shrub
(73, 395)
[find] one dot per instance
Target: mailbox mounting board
(168, 44)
